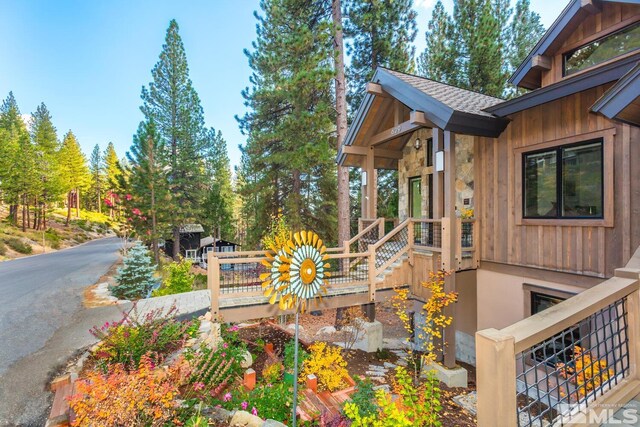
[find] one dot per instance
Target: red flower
(128, 196)
(136, 211)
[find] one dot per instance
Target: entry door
(415, 197)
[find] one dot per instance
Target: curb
(58, 250)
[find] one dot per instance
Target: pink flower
(233, 328)
(136, 211)
(254, 411)
(225, 345)
(224, 354)
(198, 386)
(226, 397)
(128, 196)
(244, 405)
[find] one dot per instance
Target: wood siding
(563, 246)
(612, 17)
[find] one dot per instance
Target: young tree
(289, 157)
(148, 182)
(135, 278)
(75, 173)
(112, 175)
(47, 149)
(97, 178)
(173, 104)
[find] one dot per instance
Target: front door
(415, 197)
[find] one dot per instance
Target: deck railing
(567, 364)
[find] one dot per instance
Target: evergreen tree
(112, 175)
(217, 212)
(135, 278)
(173, 104)
(148, 183)
(382, 34)
(438, 62)
(523, 33)
(97, 179)
(75, 173)
(47, 148)
(288, 162)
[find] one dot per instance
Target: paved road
(43, 322)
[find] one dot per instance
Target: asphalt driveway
(43, 322)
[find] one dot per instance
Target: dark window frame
(572, 51)
(559, 169)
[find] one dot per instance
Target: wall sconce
(417, 143)
(439, 163)
(364, 177)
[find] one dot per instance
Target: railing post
(381, 229)
(345, 261)
(633, 321)
(476, 244)
(445, 244)
(360, 225)
(372, 273)
(213, 283)
(496, 379)
(411, 238)
(458, 243)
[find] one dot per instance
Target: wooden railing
(567, 364)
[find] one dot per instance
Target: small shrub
(3, 248)
(271, 401)
(327, 364)
(178, 278)
(279, 232)
(145, 396)
(128, 341)
(289, 356)
(272, 370)
(135, 277)
(53, 238)
(351, 326)
(213, 370)
(19, 246)
(364, 397)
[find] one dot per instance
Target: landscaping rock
(326, 330)
(207, 316)
(217, 414)
(292, 327)
(245, 419)
(273, 423)
(247, 361)
(389, 365)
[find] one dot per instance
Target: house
(550, 177)
(217, 246)
(190, 236)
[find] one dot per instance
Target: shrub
(19, 246)
(128, 341)
(279, 232)
(272, 370)
(271, 401)
(3, 248)
(364, 397)
(144, 396)
(327, 364)
(135, 277)
(178, 278)
(212, 370)
(53, 237)
(289, 356)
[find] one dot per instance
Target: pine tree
(75, 173)
(47, 149)
(148, 183)
(288, 161)
(97, 179)
(135, 278)
(217, 212)
(438, 62)
(382, 34)
(523, 33)
(173, 104)
(112, 175)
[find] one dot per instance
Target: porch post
(369, 190)
(437, 181)
(450, 245)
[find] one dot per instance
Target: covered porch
(427, 131)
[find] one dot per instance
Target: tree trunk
(44, 216)
(176, 243)
(77, 203)
(68, 208)
(154, 235)
(36, 214)
(341, 131)
(28, 212)
(99, 204)
(24, 214)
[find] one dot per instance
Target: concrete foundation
(465, 348)
(371, 338)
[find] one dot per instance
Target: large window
(559, 350)
(564, 182)
(603, 49)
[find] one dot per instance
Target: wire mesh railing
(562, 375)
(240, 275)
(348, 269)
(427, 233)
(392, 245)
(466, 233)
(368, 236)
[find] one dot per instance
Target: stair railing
(391, 247)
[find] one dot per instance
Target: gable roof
(620, 95)
(191, 228)
(447, 107)
(569, 18)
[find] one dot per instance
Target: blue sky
(88, 60)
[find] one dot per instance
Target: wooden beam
(591, 6)
(451, 244)
(397, 112)
(378, 152)
(437, 190)
(541, 62)
(376, 89)
(416, 121)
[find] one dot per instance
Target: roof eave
(618, 97)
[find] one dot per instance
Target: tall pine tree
(288, 162)
(438, 62)
(97, 179)
(112, 175)
(524, 32)
(174, 106)
(75, 173)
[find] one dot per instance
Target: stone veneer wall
(413, 163)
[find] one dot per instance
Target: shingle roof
(456, 98)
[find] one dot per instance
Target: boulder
(326, 330)
(245, 419)
(273, 423)
(247, 361)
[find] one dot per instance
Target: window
(610, 46)
(564, 182)
(559, 350)
(190, 254)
